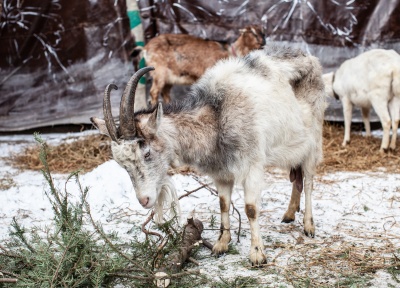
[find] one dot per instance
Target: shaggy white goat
(372, 79)
(265, 109)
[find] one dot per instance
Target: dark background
(56, 56)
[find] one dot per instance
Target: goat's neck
(190, 135)
(232, 50)
(239, 47)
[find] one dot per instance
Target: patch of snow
(346, 205)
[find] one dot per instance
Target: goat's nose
(143, 201)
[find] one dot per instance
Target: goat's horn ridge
(108, 118)
(126, 113)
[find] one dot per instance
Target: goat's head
(252, 37)
(135, 143)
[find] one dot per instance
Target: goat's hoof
(219, 248)
(257, 256)
(309, 233)
(383, 150)
(288, 218)
(345, 143)
(309, 228)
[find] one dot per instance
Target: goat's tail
(396, 81)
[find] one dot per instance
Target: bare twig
(240, 222)
(190, 192)
(148, 232)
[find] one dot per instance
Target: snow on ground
(357, 208)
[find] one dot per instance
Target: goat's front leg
(252, 197)
(309, 227)
(224, 192)
(166, 93)
(347, 113)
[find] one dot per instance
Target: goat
(372, 79)
(181, 59)
(265, 109)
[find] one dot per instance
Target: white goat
(265, 109)
(372, 79)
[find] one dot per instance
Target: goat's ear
(155, 119)
(100, 124)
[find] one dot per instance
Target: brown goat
(181, 59)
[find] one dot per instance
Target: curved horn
(126, 113)
(108, 118)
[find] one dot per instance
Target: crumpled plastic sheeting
(57, 56)
(332, 30)
(347, 24)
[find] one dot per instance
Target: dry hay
(362, 154)
(83, 153)
(90, 151)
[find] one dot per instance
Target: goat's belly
(289, 154)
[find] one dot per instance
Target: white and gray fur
(265, 109)
(372, 79)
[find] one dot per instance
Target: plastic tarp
(57, 56)
(333, 30)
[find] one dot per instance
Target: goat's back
(371, 72)
(183, 55)
(270, 106)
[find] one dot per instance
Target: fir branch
(20, 234)
(150, 278)
(105, 238)
(60, 263)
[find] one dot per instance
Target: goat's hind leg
(367, 124)
(294, 205)
(394, 110)
(296, 177)
(309, 227)
(381, 109)
(224, 189)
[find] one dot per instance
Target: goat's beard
(167, 205)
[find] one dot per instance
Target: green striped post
(136, 29)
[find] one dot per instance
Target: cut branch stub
(191, 238)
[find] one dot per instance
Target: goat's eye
(147, 155)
